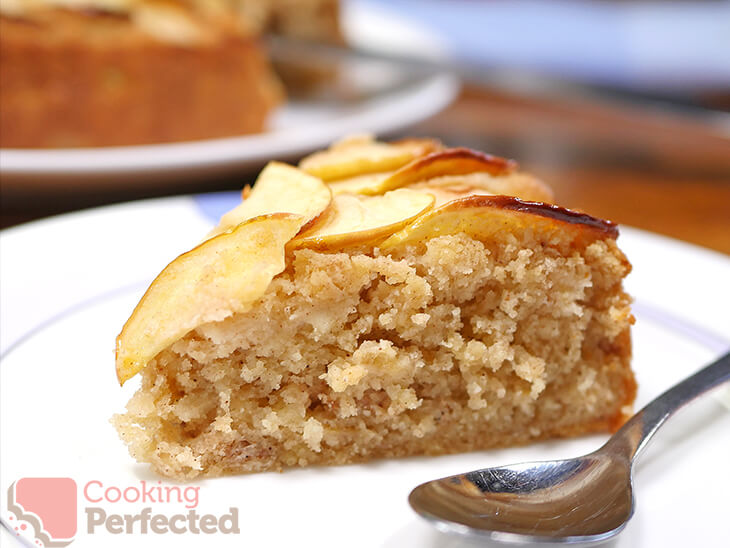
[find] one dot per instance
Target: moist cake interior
(448, 345)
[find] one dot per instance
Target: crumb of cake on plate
(380, 300)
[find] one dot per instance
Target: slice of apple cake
(380, 300)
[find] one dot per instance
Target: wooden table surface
(661, 172)
(653, 170)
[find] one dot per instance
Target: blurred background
(671, 50)
(622, 106)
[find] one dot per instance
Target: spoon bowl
(583, 500)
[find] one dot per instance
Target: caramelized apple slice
(362, 155)
(359, 220)
(280, 188)
(452, 162)
(483, 216)
(220, 277)
(452, 187)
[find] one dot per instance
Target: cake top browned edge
(558, 213)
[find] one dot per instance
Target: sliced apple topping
(481, 217)
(452, 163)
(369, 184)
(280, 188)
(362, 155)
(360, 220)
(452, 187)
(222, 276)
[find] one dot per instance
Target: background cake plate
(381, 100)
(70, 282)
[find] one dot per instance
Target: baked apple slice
(481, 217)
(363, 155)
(357, 220)
(453, 163)
(280, 188)
(222, 276)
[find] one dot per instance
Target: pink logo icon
(48, 505)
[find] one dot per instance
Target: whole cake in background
(87, 73)
(379, 300)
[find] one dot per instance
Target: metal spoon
(582, 500)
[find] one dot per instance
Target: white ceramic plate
(295, 129)
(69, 283)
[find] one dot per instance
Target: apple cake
(379, 300)
(88, 73)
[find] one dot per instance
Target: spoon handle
(631, 439)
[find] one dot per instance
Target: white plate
(68, 284)
(295, 129)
